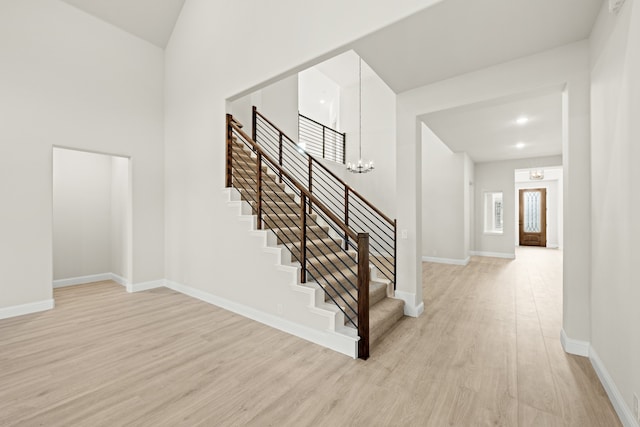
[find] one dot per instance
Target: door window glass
(532, 222)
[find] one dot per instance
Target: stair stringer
(331, 334)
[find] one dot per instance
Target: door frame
(543, 215)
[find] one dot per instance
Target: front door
(533, 217)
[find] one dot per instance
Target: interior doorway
(92, 215)
(532, 221)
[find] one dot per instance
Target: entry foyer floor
(486, 352)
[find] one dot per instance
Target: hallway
(499, 323)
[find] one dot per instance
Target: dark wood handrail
(307, 199)
(333, 175)
(318, 123)
(303, 191)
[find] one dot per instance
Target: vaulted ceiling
(450, 38)
(151, 20)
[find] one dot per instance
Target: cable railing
(321, 141)
(303, 224)
(356, 212)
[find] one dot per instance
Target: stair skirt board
(334, 336)
(339, 342)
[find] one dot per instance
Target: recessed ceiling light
(322, 101)
(522, 120)
(520, 145)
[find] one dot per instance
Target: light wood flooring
(486, 352)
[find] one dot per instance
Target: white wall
(81, 214)
(314, 87)
(280, 105)
(242, 109)
(278, 102)
(469, 205)
(499, 176)
(378, 138)
(615, 104)
(444, 201)
(565, 66)
(197, 87)
(120, 227)
(71, 80)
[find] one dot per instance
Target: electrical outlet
(636, 408)
(404, 234)
(279, 308)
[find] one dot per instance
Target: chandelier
(360, 166)
(536, 175)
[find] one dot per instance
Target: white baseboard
(553, 246)
(493, 254)
(451, 261)
(619, 404)
(411, 309)
(571, 346)
(338, 342)
(131, 287)
(81, 280)
(20, 310)
(119, 279)
(145, 286)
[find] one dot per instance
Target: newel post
(363, 295)
(229, 180)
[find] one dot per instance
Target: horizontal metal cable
(320, 279)
(340, 250)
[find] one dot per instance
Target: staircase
(352, 270)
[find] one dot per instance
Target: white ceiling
(452, 37)
(151, 20)
(488, 131)
(459, 36)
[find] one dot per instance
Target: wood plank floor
(486, 352)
